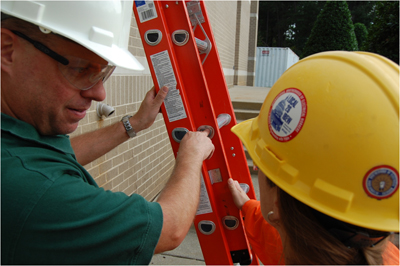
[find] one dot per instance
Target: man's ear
(7, 49)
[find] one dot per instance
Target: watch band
(129, 130)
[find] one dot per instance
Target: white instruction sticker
(204, 204)
(165, 77)
(174, 106)
(146, 10)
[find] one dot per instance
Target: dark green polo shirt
(53, 212)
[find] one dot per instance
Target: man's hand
(196, 143)
(239, 196)
(180, 197)
(92, 145)
(149, 109)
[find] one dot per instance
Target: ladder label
(174, 106)
(165, 77)
(215, 176)
(146, 10)
(204, 204)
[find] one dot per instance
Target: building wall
(222, 16)
(242, 41)
(143, 164)
(251, 63)
(234, 24)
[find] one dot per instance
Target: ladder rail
(200, 83)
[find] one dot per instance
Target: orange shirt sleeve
(264, 238)
(391, 255)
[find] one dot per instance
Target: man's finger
(162, 93)
(207, 131)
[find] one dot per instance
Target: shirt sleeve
(77, 223)
(264, 238)
(391, 255)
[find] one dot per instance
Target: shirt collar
(26, 131)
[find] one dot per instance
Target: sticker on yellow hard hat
(287, 114)
(381, 182)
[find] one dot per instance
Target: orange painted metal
(198, 95)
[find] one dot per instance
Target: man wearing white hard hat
(55, 57)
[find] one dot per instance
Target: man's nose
(96, 93)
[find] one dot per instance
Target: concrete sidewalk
(189, 252)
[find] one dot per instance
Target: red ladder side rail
(219, 243)
(152, 51)
(218, 91)
(163, 55)
(187, 57)
(222, 104)
(236, 238)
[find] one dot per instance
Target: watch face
(128, 127)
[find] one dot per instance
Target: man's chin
(71, 128)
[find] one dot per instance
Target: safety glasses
(81, 73)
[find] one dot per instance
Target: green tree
(304, 16)
(333, 30)
(362, 12)
(361, 33)
(289, 23)
(273, 22)
(286, 23)
(383, 35)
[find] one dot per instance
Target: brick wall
(242, 41)
(251, 60)
(222, 15)
(234, 25)
(143, 164)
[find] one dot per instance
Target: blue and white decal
(287, 114)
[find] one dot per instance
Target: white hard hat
(101, 26)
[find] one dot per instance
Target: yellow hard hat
(328, 135)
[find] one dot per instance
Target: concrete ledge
(248, 94)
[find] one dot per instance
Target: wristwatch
(129, 130)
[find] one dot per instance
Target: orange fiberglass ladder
(181, 52)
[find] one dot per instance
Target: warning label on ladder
(165, 76)
(204, 204)
(174, 106)
(163, 69)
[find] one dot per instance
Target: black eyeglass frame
(107, 70)
(43, 48)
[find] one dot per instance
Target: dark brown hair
(308, 242)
